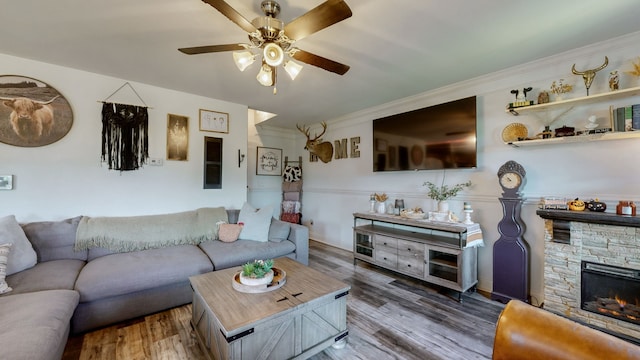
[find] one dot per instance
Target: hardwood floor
(389, 316)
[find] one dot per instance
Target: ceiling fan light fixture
(292, 68)
(243, 59)
(265, 76)
(273, 54)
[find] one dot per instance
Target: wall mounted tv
(436, 137)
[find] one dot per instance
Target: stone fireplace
(595, 241)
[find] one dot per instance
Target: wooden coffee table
(297, 320)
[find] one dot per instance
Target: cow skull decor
(589, 75)
(322, 149)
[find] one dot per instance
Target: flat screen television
(436, 137)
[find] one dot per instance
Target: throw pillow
(256, 222)
(279, 230)
(22, 255)
(4, 256)
(229, 232)
(292, 173)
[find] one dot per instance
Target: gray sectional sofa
(70, 291)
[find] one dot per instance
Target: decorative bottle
(626, 208)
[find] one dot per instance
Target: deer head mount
(589, 75)
(322, 149)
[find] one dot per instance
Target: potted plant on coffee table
(257, 272)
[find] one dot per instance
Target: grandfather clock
(511, 251)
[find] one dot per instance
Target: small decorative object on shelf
(596, 205)
(626, 208)
(543, 97)
(635, 72)
(399, 206)
(381, 199)
(560, 88)
(576, 205)
(467, 213)
(415, 213)
(614, 80)
(521, 98)
(589, 75)
(372, 203)
(554, 203)
(592, 123)
(565, 131)
(257, 272)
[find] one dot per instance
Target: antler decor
(323, 150)
(589, 75)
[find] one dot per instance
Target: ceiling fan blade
(210, 48)
(319, 61)
(318, 18)
(232, 14)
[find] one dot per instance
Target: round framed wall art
(32, 113)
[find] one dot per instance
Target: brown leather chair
(526, 332)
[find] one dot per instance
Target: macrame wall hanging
(125, 130)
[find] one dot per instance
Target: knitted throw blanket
(133, 233)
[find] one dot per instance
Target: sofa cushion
(54, 240)
(36, 325)
(225, 255)
(48, 275)
(4, 256)
(256, 222)
(124, 273)
(22, 256)
(279, 230)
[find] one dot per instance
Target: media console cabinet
(436, 252)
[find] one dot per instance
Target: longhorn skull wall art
(589, 75)
(322, 149)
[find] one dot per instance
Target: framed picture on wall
(269, 161)
(33, 113)
(214, 121)
(177, 137)
(6, 182)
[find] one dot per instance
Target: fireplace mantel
(572, 237)
(591, 217)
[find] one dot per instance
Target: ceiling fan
(275, 40)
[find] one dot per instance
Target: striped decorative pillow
(4, 256)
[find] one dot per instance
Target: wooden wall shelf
(585, 100)
(577, 139)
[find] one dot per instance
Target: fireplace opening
(611, 291)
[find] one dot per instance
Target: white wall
(266, 190)
(608, 170)
(66, 178)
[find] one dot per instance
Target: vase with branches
(443, 192)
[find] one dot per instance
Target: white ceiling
(395, 48)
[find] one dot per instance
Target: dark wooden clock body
(511, 251)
